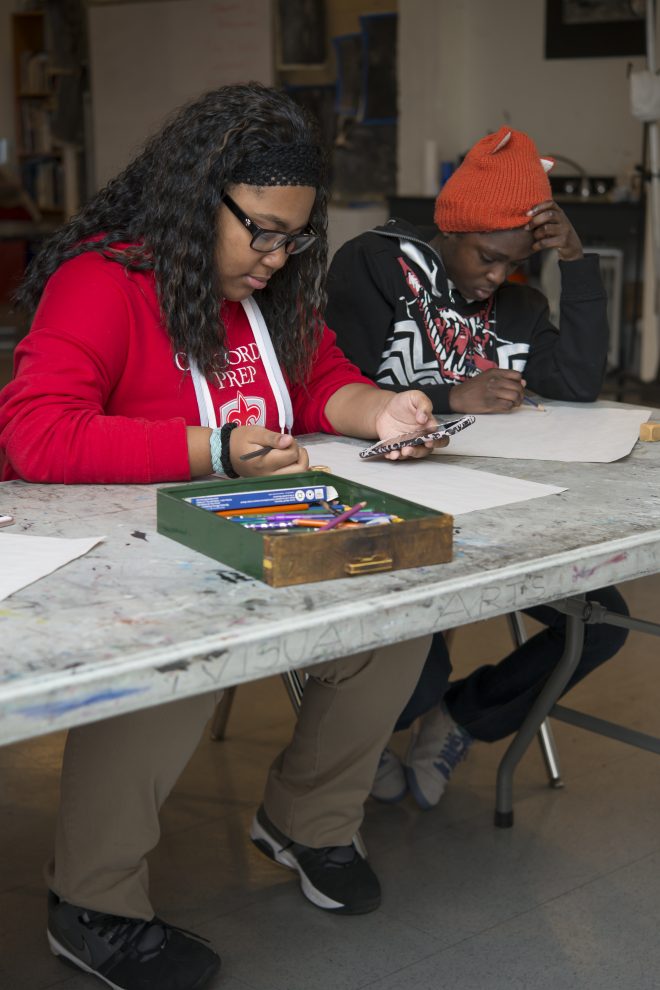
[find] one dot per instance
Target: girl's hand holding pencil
(256, 451)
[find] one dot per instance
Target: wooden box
(284, 558)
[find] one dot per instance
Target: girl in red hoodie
(177, 328)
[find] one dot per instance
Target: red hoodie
(99, 396)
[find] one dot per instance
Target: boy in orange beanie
(441, 316)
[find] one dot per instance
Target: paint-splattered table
(140, 619)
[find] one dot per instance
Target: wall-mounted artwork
(378, 103)
(301, 33)
(594, 28)
(348, 56)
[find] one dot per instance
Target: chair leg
(221, 714)
(549, 752)
(294, 682)
(544, 735)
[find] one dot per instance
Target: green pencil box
(284, 558)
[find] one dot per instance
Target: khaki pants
(116, 774)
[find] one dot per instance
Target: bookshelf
(49, 166)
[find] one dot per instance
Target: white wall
(149, 58)
(346, 222)
(466, 68)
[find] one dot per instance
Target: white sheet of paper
(439, 486)
(24, 559)
(566, 432)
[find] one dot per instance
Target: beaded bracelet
(219, 443)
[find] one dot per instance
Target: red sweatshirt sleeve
(331, 371)
(54, 426)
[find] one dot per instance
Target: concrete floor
(568, 899)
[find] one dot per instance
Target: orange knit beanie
(501, 178)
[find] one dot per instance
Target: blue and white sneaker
(390, 783)
(434, 754)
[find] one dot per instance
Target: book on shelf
(35, 74)
(37, 137)
(43, 180)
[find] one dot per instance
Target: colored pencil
(255, 453)
(259, 510)
(532, 402)
(270, 525)
(334, 510)
(310, 523)
(342, 517)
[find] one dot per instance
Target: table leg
(537, 713)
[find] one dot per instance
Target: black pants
(493, 700)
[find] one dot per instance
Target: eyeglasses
(271, 240)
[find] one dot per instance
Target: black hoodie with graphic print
(400, 320)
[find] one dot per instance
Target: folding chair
(544, 735)
(295, 684)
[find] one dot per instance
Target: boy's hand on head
(551, 228)
(494, 391)
(286, 457)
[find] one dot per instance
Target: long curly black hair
(165, 205)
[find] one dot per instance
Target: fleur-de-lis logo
(250, 411)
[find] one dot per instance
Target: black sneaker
(127, 953)
(335, 878)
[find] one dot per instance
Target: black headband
(282, 165)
